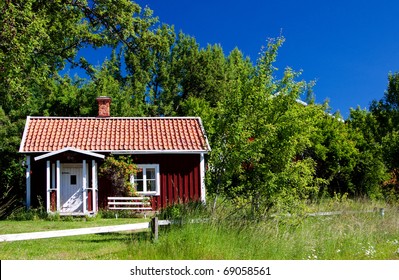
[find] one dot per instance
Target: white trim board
(69, 149)
(22, 145)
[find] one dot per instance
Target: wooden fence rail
(381, 212)
(72, 232)
(153, 225)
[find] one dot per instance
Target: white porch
(71, 187)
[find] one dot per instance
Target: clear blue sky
(348, 47)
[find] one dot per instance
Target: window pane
(145, 181)
(73, 179)
(151, 186)
(139, 186)
(150, 172)
(139, 174)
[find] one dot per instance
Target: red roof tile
(47, 134)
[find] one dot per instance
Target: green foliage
(386, 110)
(118, 171)
(260, 130)
(370, 171)
(22, 214)
(32, 214)
(380, 128)
(11, 170)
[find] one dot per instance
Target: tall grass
(224, 235)
(353, 236)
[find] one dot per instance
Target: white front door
(71, 188)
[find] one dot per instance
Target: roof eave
(131, 152)
(137, 152)
(204, 134)
(22, 145)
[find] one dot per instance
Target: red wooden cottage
(63, 155)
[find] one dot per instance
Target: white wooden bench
(129, 203)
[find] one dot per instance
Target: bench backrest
(129, 203)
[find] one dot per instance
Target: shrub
(118, 171)
(21, 214)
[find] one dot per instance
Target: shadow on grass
(117, 236)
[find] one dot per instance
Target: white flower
(313, 255)
(370, 251)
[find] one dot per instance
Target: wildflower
(370, 251)
(313, 255)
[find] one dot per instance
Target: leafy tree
(258, 134)
(11, 175)
(386, 129)
(146, 67)
(34, 46)
(370, 171)
(386, 110)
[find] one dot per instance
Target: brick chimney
(104, 103)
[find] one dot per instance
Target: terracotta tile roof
(46, 134)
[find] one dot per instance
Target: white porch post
(53, 176)
(58, 186)
(94, 184)
(28, 179)
(53, 186)
(84, 186)
(202, 177)
(48, 186)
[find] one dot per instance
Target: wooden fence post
(154, 228)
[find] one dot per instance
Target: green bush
(21, 214)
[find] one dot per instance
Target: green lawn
(94, 246)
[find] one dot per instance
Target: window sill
(148, 193)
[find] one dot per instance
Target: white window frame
(157, 179)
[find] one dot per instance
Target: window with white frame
(146, 181)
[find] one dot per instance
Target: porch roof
(115, 135)
(69, 149)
